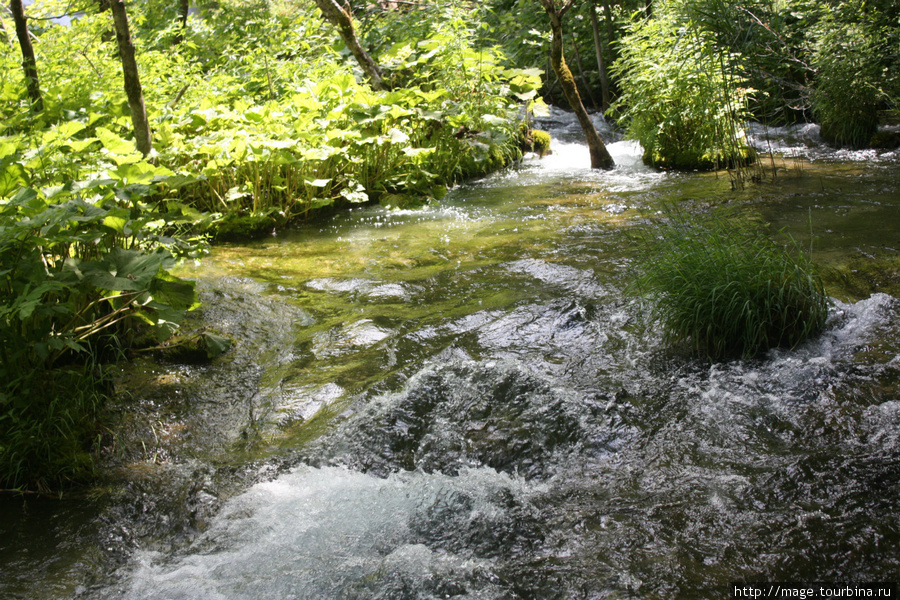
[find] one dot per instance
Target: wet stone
(468, 414)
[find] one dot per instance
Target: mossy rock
(885, 140)
(535, 140)
(541, 142)
(238, 228)
(402, 201)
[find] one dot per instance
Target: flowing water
(462, 402)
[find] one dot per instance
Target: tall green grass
(50, 427)
(721, 285)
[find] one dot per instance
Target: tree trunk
(132, 81)
(29, 64)
(343, 20)
(600, 157)
(184, 9)
(601, 66)
(610, 30)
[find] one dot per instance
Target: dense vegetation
(690, 63)
(261, 113)
(257, 121)
(721, 285)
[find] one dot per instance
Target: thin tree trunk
(132, 81)
(184, 8)
(341, 17)
(29, 63)
(610, 27)
(600, 157)
(601, 66)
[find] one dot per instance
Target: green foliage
(851, 60)
(720, 284)
(537, 141)
(522, 29)
(682, 99)
(83, 274)
(261, 108)
(259, 119)
(49, 427)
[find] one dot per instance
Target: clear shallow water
(460, 402)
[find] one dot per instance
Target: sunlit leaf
(397, 137)
(11, 178)
(114, 143)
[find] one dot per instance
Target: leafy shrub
(259, 107)
(83, 273)
(254, 112)
(721, 285)
(681, 98)
(849, 59)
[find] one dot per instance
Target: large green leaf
(215, 344)
(114, 143)
(12, 177)
(178, 293)
(125, 270)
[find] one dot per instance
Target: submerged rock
(465, 414)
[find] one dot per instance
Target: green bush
(83, 274)
(681, 97)
(261, 108)
(721, 285)
(849, 60)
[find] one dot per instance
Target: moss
(481, 159)
(438, 191)
(694, 161)
(496, 158)
(863, 276)
(534, 140)
(541, 142)
(402, 201)
(237, 228)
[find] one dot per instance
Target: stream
(462, 401)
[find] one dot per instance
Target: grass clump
(720, 284)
